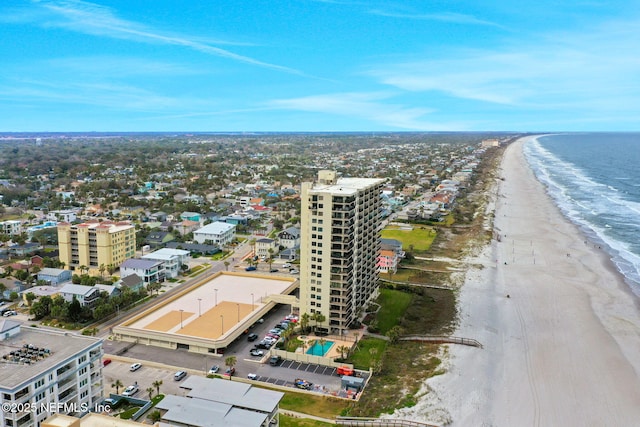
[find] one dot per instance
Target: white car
(135, 367)
(252, 376)
(130, 391)
(214, 369)
(286, 265)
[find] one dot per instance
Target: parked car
(135, 367)
(251, 268)
(230, 371)
(214, 369)
(10, 313)
(294, 271)
(264, 344)
(273, 270)
(252, 337)
(303, 384)
(130, 391)
(252, 376)
(275, 360)
(105, 362)
(179, 375)
(286, 265)
(109, 402)
(256, 352)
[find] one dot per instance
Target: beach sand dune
(561, 330)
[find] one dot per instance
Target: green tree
(117, 384)
(30, 297)
(155, 416)
(342, 349)
(150, 391)
(230, 362)
(394, 334)
(304, 322)
(75, 310)
(102, 269)
(157, 384)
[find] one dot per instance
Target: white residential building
(11, 227)
(149, 270)
(62, 216)
(266, 247)
(87, 296)
(340, 242)
(45, 372)
(173, 260)
(216, 233)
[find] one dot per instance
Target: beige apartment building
(96, 243)
(340, 242)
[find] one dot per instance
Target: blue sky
(319, 65)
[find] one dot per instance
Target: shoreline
(559, 324)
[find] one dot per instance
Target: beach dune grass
(367, 352)
(320, 406)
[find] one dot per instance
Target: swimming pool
(318, 349)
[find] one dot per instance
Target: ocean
(594, 178)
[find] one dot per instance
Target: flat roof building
(340, 243)
(96, 243)
(229, 403)
(53, 372)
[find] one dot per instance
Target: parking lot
(144, 377)
(324, 379)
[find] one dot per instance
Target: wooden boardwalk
(377, 422)
(436, 339)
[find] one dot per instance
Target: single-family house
(266, 247)
(289, 237)
(133, 282)
(148, 269)
(157, 239)
(186, 226)
(54, 276)
(87, 296)
(218, 233)
(173, 259)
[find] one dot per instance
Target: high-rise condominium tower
(339, 247)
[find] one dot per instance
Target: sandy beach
(560, 329)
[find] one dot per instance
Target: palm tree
(304, 321)
(150, 391)
(226, 265)
(157, 385)
(155, 416)
(342, 350)
(322, 342)
(230, 362)
(319, 318)
(102, 269)
(117, 384)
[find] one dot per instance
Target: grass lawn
(320, 406)
(393, 305)
(286, 421)
(420, 238)
(364, 356)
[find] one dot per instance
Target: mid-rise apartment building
(11, 227)
(96, 243)
(340, 241)
(44, 372)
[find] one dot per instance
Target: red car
(105, 362)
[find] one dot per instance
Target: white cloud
(591, 70)
(369, 106)
(450, 17)
(97, 20)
